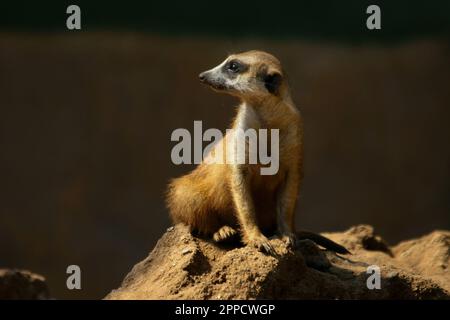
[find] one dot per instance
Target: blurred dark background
(86, 118)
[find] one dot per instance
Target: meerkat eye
(233, 66)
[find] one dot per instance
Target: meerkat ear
(271, 79)
(272, 82)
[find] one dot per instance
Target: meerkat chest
(266, 138)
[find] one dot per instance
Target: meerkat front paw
(223, 234)
(261, 243)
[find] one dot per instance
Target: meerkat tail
(322, 241)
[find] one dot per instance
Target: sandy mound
(22, 284)
(184, 267)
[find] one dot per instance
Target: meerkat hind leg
(224, 233)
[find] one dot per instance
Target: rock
(22, 284)
(429, 256)
(314, 257)
(186, 251)
(415, 269)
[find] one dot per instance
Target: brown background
(85, 141)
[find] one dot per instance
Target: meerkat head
(248, 75)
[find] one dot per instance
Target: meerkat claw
(289, 239)
(268, 248)
(262, 244)
(224, 234)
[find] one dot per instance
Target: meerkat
(227, 199)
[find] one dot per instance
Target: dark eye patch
(234, 67)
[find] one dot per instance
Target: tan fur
(218, 199)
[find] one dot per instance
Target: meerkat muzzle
(214, 82)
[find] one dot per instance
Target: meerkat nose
(202, 76)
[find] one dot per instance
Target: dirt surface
(23, 285)
(184, 267)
